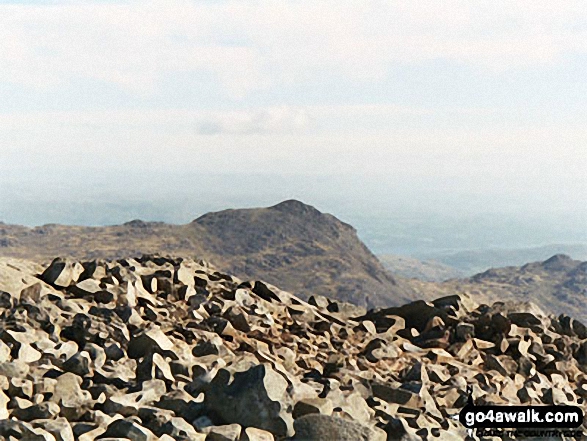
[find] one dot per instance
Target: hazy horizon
(388, 222)
(431, 123)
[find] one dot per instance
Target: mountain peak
(296, 207)
(559, 262)
(136, 223)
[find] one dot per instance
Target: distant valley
(426, 270)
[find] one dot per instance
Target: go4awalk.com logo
(521, 416)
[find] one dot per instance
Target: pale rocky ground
(171, 349)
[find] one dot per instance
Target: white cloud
(132, 46)
(254, 45)
(293, 140)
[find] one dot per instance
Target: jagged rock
(179, 351)
(91, 288)
(114, 352)
(254, 434)
(378, 349)
(177, 401)
(202, 422)
(178, 428)
(13, 429)
(464, 331)
(80, 364)
(312, 405)
(256, 397)
(91, 435)
(148, 342)
(69, 395)
(62, 273)
(397, 395)
(59, 428)
(39, 411)
(229, 432)
(154, 418)
(4, 400)
(14, 369)
(128, 404)
(128, 429)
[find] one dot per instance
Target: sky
(419, 105)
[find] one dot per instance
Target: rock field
(171, 349)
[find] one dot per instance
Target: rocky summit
(157, 348)
(291, 244)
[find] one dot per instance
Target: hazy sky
(486, 98)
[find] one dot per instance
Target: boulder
(256, 397)
(62, 273)
(315, 427)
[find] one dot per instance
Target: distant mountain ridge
(474, 261)
(295, 246)
(441, 266)
(558, 284)
(290, 244)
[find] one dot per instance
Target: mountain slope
(558, 284)
(291, 244)
(427, 270)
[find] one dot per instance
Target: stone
(229, 432)
(93, 434)
(256, 397)
(378, 349)
(465, 331)
(356, 407)
(28, 354)
(178, 428)
(14, 369)
(80, 364)
(254, 434)
(92, 288)
(59, 428)
(40, 411)
(324, 427)
(62, 273)
(148, 342)
(70, 397)
(396, 395)
(128, 404)
(13, 429)
(312, 405)
(114, 352)
(170, 348)
(4, 400)
(124, 428)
